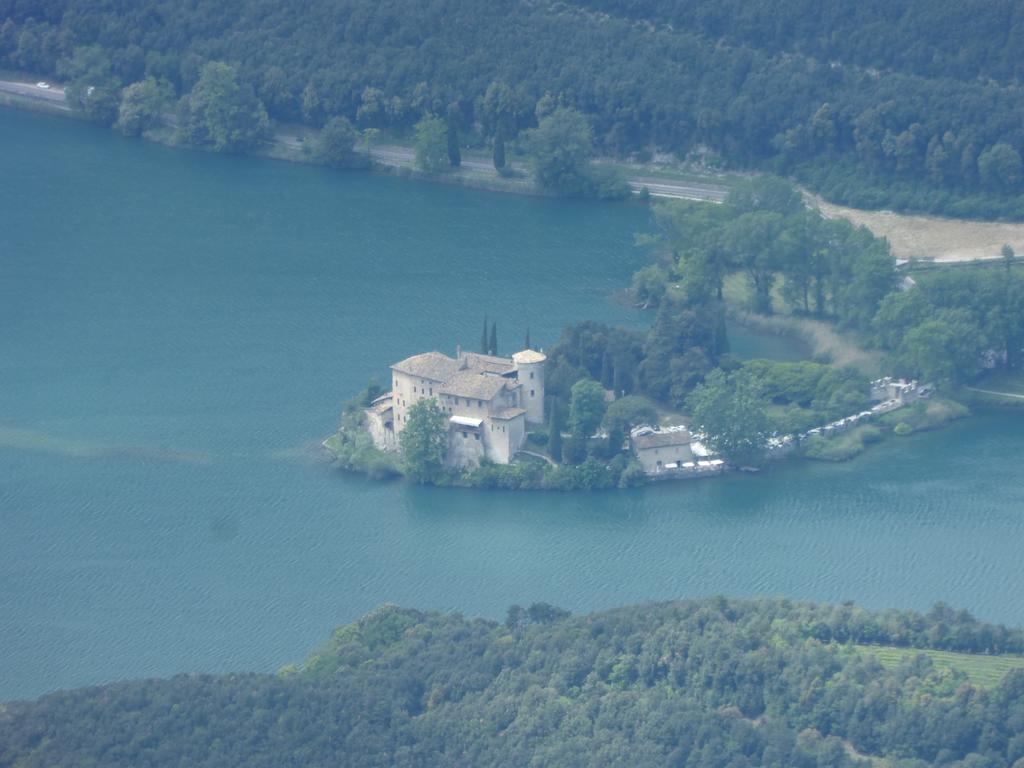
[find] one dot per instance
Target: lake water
(177, 330)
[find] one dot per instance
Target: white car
(42, 84)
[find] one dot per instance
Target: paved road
(51, 95)
(993, 392)
(405, 157)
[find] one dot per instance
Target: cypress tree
(499, 151)
(454, 156)
(618, 381)
(494, 340)
(483, 338)
(527, 345)
(606, 371)
(616, 437)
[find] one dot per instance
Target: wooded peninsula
(697, 684)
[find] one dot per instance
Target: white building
(490, 402)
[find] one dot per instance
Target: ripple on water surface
(177, 327)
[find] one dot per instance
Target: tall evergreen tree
(499, 151)
(454, 156)
(606, 370)
(618, 381)
(493, 345)
(527, 345)
(483, 338)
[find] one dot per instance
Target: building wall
(385, 439)
(649, 457)
(504, 437)
(407, 390)
(499, 439)
(531, 377)
(465, 448)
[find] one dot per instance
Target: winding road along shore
(404, 157)
(911, 236)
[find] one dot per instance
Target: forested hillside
(695, 683)
(906, 104)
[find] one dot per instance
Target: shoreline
(914, 237)
(476, 171)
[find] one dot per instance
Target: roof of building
(528, 356)
(652, 439)
(429, 365)
(382, 404)
(506, 414)
(473, 384)
(477, 362)
(466, 421)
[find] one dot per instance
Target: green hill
(694, 683)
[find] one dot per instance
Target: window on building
(414, 388)
(531, 393)
(479, 403)
(463, 435)
(477, 437)
(531, 375)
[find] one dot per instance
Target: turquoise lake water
(177, 331)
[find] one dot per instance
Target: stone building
(660, 451)
(490, 401)
(672, 452)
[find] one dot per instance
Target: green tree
(431, 144)
(526, 343)
(731, 411)
(335, 146)
(752, 238)
(500, 109)
(587, 407)
(492, 343)
(424, 441)
(1000, 167)
(628, 412)
(560, 149)
(898, 313)
(499, 152)
(946, 349)
(92, 85)
(452, 136)
(484, 342)
(142, 105)
(222, 112)
(1008, 256)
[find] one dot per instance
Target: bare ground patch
(931, 237)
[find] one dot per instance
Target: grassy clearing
(931, 237)
(983, 671)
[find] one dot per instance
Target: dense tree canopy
(711, 684)
(223, 112)
(908, 104)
